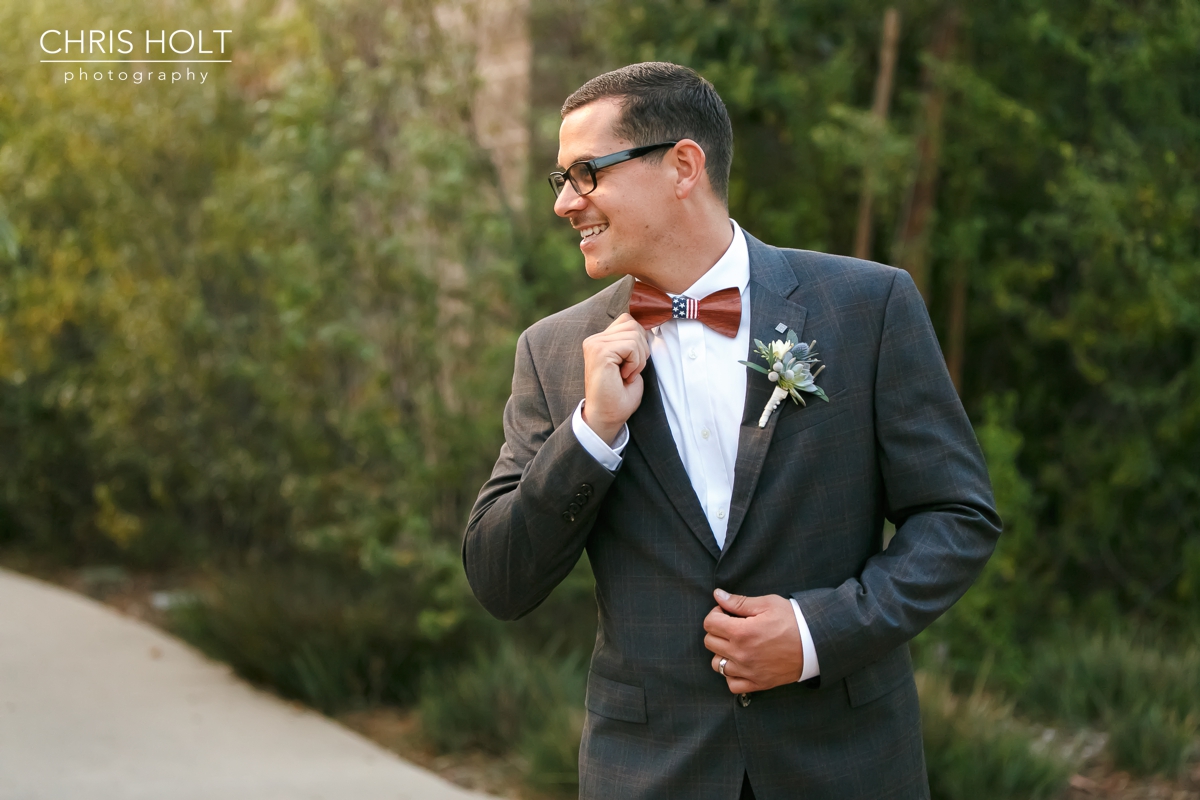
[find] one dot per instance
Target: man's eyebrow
(584, 157)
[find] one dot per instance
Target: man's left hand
(759, 637)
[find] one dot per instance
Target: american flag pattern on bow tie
(684, 307)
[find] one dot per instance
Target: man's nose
(568, 200)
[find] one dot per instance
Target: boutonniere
(791, 364)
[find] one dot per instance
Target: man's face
(621, 221)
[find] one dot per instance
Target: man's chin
(595, 269)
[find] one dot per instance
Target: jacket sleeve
(937, 493)
(531, 520)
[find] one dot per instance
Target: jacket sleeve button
(586, 490)
(568, 516)
(574, 508)
(581, 498)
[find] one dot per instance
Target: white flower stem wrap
(772, 404)
(791, 364)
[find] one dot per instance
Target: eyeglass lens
(582, 179)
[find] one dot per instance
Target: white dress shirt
(703, 389)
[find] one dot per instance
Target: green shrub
(1147, 699)
(975, 750)
(331, 635)
(1152, 740)
(1091, 679)
(234, 321)
(510, 702)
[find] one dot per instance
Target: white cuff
(609, 457)
(811, 668)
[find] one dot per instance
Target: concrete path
(97, 706)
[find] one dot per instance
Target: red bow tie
(721, 311)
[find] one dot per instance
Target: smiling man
(753, 631)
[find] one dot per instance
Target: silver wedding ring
(721, 666)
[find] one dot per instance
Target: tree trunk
(504, 66)
(912, 245)
(879, 110)
(957, 321)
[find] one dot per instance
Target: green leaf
(754, 367)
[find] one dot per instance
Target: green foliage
(975, 750)
(1068, 192)
(1146, 697)
(1004, 605)
(328, 634)
(1152, 739)
(1085, 679)
(511, 702)
(235, 316)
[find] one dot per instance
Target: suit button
(568, 516)
(744, 699)
(574, 508)
(586, 490)
(581, 498)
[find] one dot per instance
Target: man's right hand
(612, 373)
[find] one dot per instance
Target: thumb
(737, 604)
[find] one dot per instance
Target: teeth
(593, 230)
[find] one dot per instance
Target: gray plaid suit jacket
(810, 495)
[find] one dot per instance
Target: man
(637, 438)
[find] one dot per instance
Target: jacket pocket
(817, 412)
(615, 700)
(877, 679)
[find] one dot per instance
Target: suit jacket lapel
(649, 428)
(771, 281)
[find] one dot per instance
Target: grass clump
(1152, 739)
(331, 635)
(511, 703)
(975, 750)
(1147, 699)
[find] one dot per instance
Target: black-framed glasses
(582, 174)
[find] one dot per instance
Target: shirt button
(744, 699)
(704, 433)
(721, 514)
(692, 353)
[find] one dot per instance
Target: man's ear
(687, 158)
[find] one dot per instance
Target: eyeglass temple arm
(627, 155)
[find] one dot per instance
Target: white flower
(789, 367)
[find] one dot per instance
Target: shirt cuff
(609, 457)
(811, 668)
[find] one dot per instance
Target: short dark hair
(661, 102)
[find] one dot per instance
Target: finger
(718, 622)
(634, 363)
(622, 352)
(731, 668)
(715, 644)
(738, 605)
(627, 323)
(624, 341)
(739, 685)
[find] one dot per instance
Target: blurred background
(256, 336)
